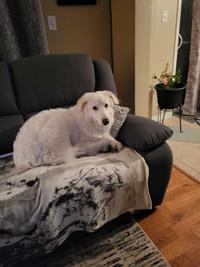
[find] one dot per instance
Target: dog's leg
(80, 152)
(115, 145)
(100, 145)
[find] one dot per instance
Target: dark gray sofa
(29, 85)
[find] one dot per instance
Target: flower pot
(170, 98)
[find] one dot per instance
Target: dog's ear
(81, 103)
(112, 96)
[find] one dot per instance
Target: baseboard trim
(186, 173)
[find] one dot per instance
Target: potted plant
(170, 90)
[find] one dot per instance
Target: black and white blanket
(42, 206)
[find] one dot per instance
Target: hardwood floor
(175, 225)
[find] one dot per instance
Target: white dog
(57, 136)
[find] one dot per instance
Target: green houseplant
(170, 90)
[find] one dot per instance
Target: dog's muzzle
(105, 121)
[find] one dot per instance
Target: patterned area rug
(121, 242)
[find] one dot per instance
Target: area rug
(189, 135)
(121, 242)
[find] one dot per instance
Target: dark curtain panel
(192, 98)
(21, 29)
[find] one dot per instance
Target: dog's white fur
(57, 136)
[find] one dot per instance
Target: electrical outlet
(164, 15)
(52, 23)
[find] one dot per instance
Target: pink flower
(165, 80)
(166, 75)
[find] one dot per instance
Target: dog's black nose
(105, 121)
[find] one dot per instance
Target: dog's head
(98, 109)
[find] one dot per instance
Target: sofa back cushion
(50, 81)
(104, 79)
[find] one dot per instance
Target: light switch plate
(52, 23)
(164, 15)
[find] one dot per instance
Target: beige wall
(163, 43)
(142, 44)
(80, 29)
(123, 49)
(86, 29)
(143, 17)
(154, 47)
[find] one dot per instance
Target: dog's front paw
(116, 147)
(105, 149)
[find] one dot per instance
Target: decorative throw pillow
(120, 116)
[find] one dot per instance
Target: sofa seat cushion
(8, 104)
(10, 126)
(45, 204)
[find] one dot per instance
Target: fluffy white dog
(59, 135)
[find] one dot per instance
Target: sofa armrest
(159, 161)
(142, 133)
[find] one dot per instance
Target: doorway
(184, 38)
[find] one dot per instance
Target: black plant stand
(162, 118)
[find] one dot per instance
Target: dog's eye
(106, 105)
(95, 108)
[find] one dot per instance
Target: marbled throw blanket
(42, 206)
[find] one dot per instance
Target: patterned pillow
(120, 116)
